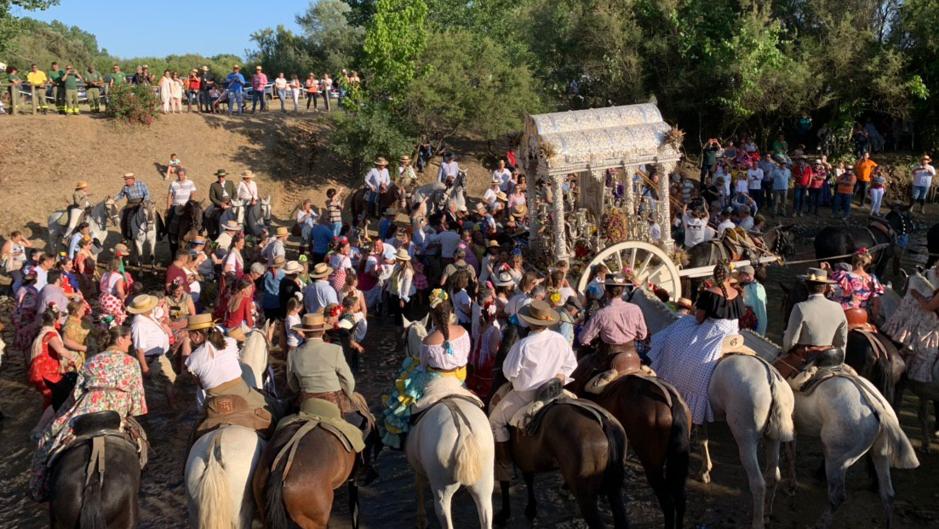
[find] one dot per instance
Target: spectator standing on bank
(781, 177)
(193, 86)
(922, 182)
(327, 88)
(280, 86)
(37, 81)
(236, 90)
(878, 188)
(295, 88)
(312, 92)
(206, 83)
(863, 170)
(258, 84)
(93, 85)
(844, 191)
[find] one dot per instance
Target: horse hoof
(705, 478)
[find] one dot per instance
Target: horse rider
(817, 328)
(180, 192)
(449, 170)
(248, 189)
(136, 193)
(618, 325)
(216, 365)
(377, 182)
(538, 358)
(80, 206)
(406, 181)
(221, 189)
(318, 370)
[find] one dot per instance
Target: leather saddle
(528, 421)
(801, 357)
(232, 409)
(98, 423)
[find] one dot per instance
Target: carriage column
(557, 217)
(663, 213)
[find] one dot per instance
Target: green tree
(9, 24)
(281, 50)
(359, 137)
(333, 42)
(394, 40)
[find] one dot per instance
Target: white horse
(253, 219)
(449, 449)
(102, 213)
(221, 463)
(757, 404)
(852, 418)
(143, 229)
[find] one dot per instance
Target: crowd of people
(200, 90)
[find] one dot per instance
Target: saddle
(98, 426)
(317, 413)
(858, 320)
(800, 357)
(810, 378)
(224, 410)
(528, 420)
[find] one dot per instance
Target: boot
(503, 461)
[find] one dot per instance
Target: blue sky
(134, 28)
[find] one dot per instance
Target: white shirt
(505, 179)
(537, 358)
(280, 83)
(181, 190)
(755, 178)
(294, 340)
(515, 304)
(922, 176)
(655, 232)
(247, 191)
(724, 225)
(489, 197)
(213, 367)
(273, 250)
(149, 336)
(73, 244)
(746, 223)
(318, 294)
(742, 186)
(448, 170)
(376, 177)
(694, 230)
(448, 240)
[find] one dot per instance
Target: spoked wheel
(649, 263)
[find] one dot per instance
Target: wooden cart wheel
(650, 264)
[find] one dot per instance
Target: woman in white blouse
(401, 285)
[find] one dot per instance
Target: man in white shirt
(248, 189)
(533, 361)
(492, 194)
(180, 190)
(81, 231)
(726, 222)
(922, 182)
(755, 182)
(448, 240)
(54, 294)
(275, 247)
(449, 170)
(151, 343)
(319, 294)
(377, 180)
(694, 225)
(503, 177)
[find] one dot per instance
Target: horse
(358, 204)
(852, 418)
(181, 225)
(143, 229)
(932, 245)
(839, 243)
(257, 218)
(873, 355)
(221, 463)
(590, 455)
(450, 446)
(657, 424)
(102, 214)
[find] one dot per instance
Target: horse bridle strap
(97, 460)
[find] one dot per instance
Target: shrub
(359, 137)
(135, 104)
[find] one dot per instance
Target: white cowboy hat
(232, 226)
(311, 322)
(142, 303)
(403, 255)
(504, 279)
(293, 267)
(200, 321)
(320, 270)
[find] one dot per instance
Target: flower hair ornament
(862, 250)
(437, 296)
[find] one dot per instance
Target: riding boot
(365, 473)
(504, 461)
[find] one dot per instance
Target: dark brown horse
(178, 227)
(589, 454)
(658, 425)
(359, 205)
(304, 496)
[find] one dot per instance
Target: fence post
(35, 103)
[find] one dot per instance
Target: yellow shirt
(37, 78)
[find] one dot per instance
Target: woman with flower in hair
(443, 352)
(859, 289)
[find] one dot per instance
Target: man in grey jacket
(816, 324)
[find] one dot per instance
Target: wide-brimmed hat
(280, 261)
(617, 280)
(403, 255)
(320, 270)
(390, 212)
(313, 322)
(293, 267)
(197, 322)
(142, 303)
(495, 180)
(381, 161)
(502, 196)
(81, 184)
(926, 157)
(281, 231)
(129, 175)
(684, 303)
(221, 172)
(493, 244)
(247, 174)
(816, 275)
(504, 279)
(519, 210)
(231, 225)
(405, 158)
(539, 313)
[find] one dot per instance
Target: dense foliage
(133, 104)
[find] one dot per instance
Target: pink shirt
(617, 323)
(259, 81)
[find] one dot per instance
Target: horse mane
(416, 333)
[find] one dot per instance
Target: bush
(360, 137)
(135, 104)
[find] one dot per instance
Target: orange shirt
(863, 170)
(846, 183)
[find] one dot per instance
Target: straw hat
(403, 255)
(311, 323)
(381, 161)
(816, 275)
(128, 176)
(197, 322)
(493, 244)
(502, 196)
(142, 303)
(282, 231)
(504, 279)
(293, 267)
(237, 333)
(232, 225)
(280, 261)
(321, 270)
(81, 184)
(405, 158)
(247, 174)
(390, 212)
(519, 210)
(539, 314)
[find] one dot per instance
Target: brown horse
(658, 425)
(589, 454)
(359, 205)
(304, 496)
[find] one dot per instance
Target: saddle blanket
(317, 413)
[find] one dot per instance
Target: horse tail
(678, 451)
(779, 425)
(91, 515)
(215, 508)
(468, 468)
(896, 445)
(277, 517)
(616, 444)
